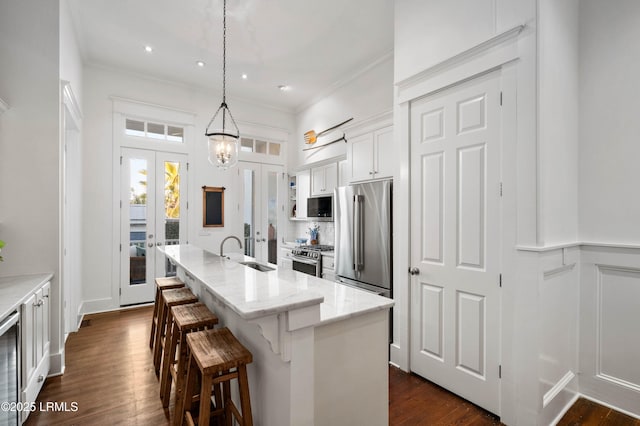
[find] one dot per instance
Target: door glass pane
(274, 148)
(134, 128)
(137, 220)
(249, 207)
(155, 131)
(261, 147)
(171, 210)
(246, 145)
(272, 215)
(175, 134)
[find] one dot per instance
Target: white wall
(367, 94)
(429, 31)
(29, 145)
(608, 205)
(557, 121)
(100, 286)
(609, 125)
(70, 60)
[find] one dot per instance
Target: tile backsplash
(300, 229)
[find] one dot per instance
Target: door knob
(414, 271)
(158, 244)
(150, 245)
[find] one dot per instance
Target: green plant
(1, 245)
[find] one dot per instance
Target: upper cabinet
(372, 156)
(324, 179)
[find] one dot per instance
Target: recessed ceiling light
(200, 64)
(148, 49)
(244, 76)
(284, 87)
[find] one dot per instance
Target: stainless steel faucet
(230, 236)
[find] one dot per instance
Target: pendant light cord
(224, 52)
(223, 105)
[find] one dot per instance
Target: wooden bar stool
(168, 299)
(186, 319)
(213, 354)
(163, 283)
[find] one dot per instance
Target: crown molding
(343, 82)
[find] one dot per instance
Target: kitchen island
(320, 349)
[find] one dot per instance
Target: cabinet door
(324, 179)
(384, 153)
(28, 319)
(46, 306)
(303, 182)
(317, 181)
(330, 178)
(361, 157)
(39, 326)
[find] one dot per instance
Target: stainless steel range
(308, 259)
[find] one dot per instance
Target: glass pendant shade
(223, 150)
(223, 144)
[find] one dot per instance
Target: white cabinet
(372, 155)
(324, 179)
(303, 182)
(328, 267)
(286, 262)
(35, 344)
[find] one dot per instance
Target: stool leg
(181, 371)
(245, 401)
(164, 339)
(205, 400)
(154, 319)
(226, 392)
(167, 364)
(184, 404)
(157, 346)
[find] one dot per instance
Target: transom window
(152, 130)
(260, 146)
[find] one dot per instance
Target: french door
(455, 243)
(260, 210)
(152, 214)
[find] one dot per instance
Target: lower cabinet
(34, 317)
(286, 262)
(328, 267)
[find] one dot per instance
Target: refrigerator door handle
(358, 234)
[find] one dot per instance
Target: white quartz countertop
(15, 290)
(253, 294)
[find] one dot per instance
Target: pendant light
(223, 142)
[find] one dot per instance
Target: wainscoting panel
(559, 314)
(610, 343)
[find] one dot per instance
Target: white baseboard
(565, 409)
(97, 305)
(613, 407)
(56, 364)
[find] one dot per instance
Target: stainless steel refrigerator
(363, 236)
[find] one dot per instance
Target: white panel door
(455, 228)
(152, 214)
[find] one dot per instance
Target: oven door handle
(304, 260)
(9, 322)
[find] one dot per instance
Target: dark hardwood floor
(110, 376)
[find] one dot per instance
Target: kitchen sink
(258, 266)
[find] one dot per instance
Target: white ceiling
(311, 46)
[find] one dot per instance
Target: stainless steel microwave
(320, 208)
